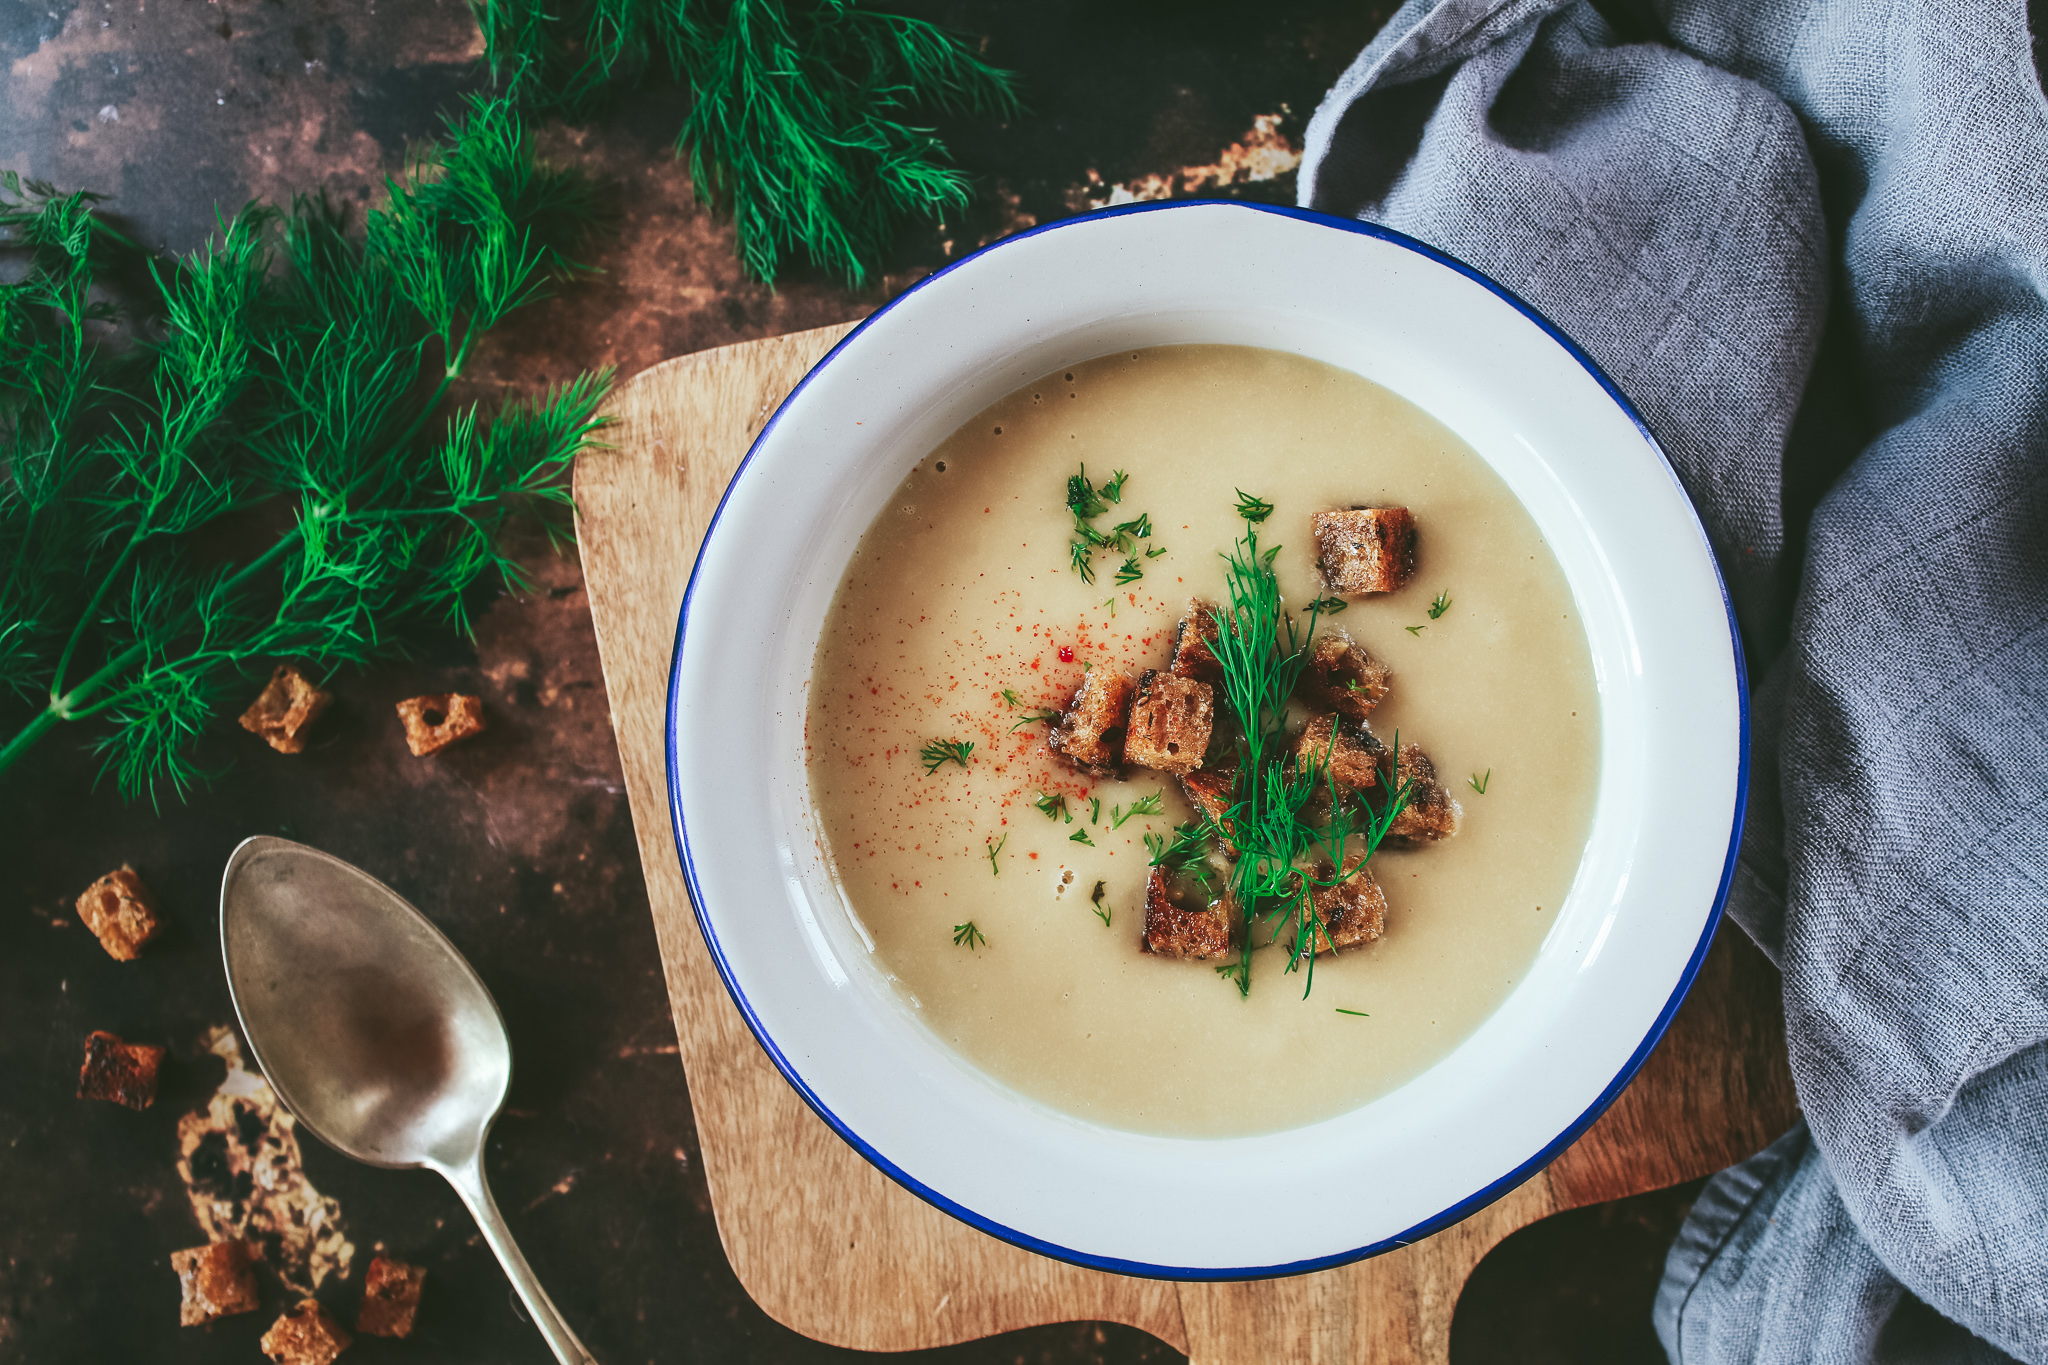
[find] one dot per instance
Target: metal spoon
(373, 1030)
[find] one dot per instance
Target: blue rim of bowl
(1473, 1202)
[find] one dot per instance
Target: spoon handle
(468, 1180)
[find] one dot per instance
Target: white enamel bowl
(1673, 732)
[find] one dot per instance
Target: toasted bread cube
(1354, 911)
(215, 1282)
(124, 1073)
(1342, 677)
(285, 709)
(1089, 733)
(305, 1336)
(391, 1295)
(1431, 813)
(118, 910)
(1179, 923)
(1213, 793)
(1194, 643)
(434, 723)
(1365, 549)
(1346, 751)
(1171, 718)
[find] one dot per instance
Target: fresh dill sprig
(1186, 854)
(1131, 572)
(1144, 805)
(1080, 836)
(1155, 551)
(1415, 630)
(939, 752)
(1253, 510)
(1082, 499)
(1054, 806)
(808, 119)
(995, 846)
(1328, 606)
(1102, 908)
(288, 362)
(1033, 718)
(1078, 554)
(1440, 606)
(1094, 810)
(1360, 1013)
(967, 936)
(1479, 783)
(1011, 698)
(1126, 534)
(1114, 489)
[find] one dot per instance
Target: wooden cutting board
(830, 1246)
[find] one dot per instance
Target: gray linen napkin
(1809, 239)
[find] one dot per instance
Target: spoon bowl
(372, 1029)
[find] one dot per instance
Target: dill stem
(57, 695)
(68, 706)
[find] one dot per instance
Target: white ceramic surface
(1673, 723)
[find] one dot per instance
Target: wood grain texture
(831, 1247)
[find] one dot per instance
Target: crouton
(215, 1282)
(434, 723)
(1089, 733)
(1194, 643)
(1346, 751)
(305, 1336)
(1352, 912)
(1365, 549)
(1171, 718)
(391, 1295)
(1431, 813)
(1213, 793)
(124, 1073)
(1182, 922)
(285, 709)
(1341, 676)
(118, 910)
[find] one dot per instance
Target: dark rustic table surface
(519, 844)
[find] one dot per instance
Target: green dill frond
(804, 121)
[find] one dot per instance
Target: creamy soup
(961, 598)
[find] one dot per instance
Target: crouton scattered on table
(1342, 676)
(119, 911)
(1182, 922)
(433, 723)
(285, 710)
(305, 1336)
(1365, 549)
(123, 1073)
(1171, 718)
(391, 1296)
(1089, 732)
(215, 1282)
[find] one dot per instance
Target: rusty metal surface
(518, 843)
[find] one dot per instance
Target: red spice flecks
(1066, 654)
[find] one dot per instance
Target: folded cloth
(1809, 239)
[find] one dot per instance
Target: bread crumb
(118, 910)
(287, 707)
(435, 722)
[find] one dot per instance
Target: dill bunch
(803, 112)
(255, 463)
